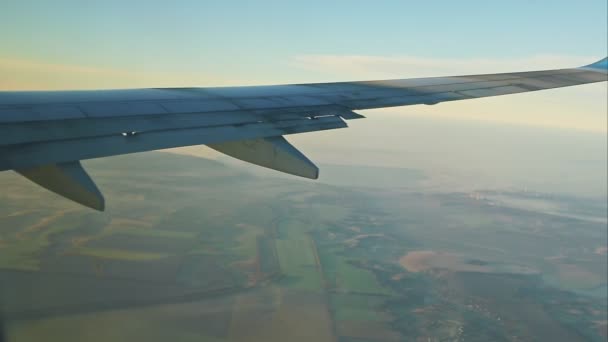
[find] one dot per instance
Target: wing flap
(31, 132)
(35, 154)
(49, 130)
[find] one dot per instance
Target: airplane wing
(45, 134)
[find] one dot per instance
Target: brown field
(576, 277)
(420, 261)
(426, 260)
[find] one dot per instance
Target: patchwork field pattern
(192, 250)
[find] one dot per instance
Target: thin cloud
(23, 74)
(362, 66)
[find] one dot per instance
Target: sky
(116, 44)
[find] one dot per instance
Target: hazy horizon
(461, 155)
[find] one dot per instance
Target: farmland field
(191, 249)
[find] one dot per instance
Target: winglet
(601, 65)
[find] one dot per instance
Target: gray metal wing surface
(44, 134)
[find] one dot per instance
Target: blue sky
(190, 34)
(99, 44)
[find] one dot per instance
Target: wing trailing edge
(273, 152)
(69, 180)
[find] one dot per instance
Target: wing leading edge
(44, 135)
